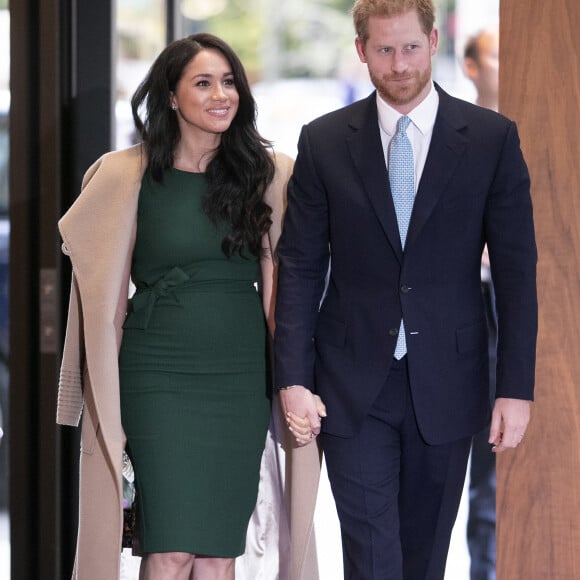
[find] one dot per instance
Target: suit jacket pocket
(330, 331)
(472, 337)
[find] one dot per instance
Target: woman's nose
(219, 93)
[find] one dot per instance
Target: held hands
(509, 422)
(302, 411)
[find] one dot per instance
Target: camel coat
(98, 232)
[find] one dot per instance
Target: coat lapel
(367, 153)
(97, 228)
(98, 233)
(448, 145)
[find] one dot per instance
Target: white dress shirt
(419, 132)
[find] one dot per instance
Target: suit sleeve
(303, 254)
(513, 256)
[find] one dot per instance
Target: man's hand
(302, 411)
(509, 422)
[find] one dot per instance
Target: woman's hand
(303, 411)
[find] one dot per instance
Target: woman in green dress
(192, 362)
(192, 214)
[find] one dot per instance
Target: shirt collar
(422, 116)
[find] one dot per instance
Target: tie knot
(402, 124)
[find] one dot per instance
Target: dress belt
(144, 299)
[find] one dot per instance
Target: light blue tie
(402, 180)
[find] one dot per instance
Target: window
(140, 37)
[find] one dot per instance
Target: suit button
(394, 331)
(405, 289)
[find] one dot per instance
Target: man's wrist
(289, 387)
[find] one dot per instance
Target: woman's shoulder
(284, 164)
(114, 176)
(135, 153)
(275, 195)
(122, 162)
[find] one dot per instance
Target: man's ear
(470, 68)
(434, 41)
(360, 49)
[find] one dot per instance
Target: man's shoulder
(454, 106)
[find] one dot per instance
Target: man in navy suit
(398, 428)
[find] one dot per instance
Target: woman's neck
(194, 155)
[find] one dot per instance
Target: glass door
(4, 271)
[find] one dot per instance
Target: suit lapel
(367, 153)
(448, 145)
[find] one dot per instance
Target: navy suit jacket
(339, 342)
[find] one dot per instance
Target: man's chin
(400, 97)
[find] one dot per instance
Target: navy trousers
(396, 497)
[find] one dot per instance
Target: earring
(174, 107)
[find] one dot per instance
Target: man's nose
(398, 62)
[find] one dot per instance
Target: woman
(179, 372)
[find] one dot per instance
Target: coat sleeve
(70, 388)
(70, 384)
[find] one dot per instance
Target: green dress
(192, 369)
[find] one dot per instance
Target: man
(481, 66)
(395, 343)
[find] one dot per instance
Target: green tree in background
(298, 38)
(274, 39)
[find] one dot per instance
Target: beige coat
(98, 233)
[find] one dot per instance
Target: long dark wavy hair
(242, 167)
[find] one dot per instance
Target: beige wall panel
(538, 533)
